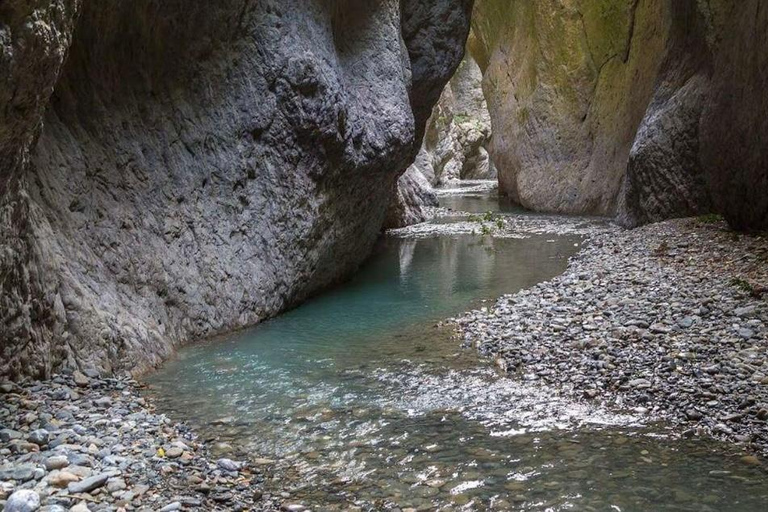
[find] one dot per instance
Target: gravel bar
(79, 442)
(668, 320)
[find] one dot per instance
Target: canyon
(157, 191)
(165, 179)
(644, 110)
(383, 255)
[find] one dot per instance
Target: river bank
(669, 320)
(661, 323)
(84, 443)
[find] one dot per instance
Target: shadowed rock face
(642, 109)
(201, 166)
(734, 124)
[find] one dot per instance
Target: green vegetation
(710, 218)
(743, 285)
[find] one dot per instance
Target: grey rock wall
(201, 166)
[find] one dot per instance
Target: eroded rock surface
(413, 195)
(637, 108)
(458, 130)
(167, 177)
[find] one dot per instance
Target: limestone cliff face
(645, 109)
(453, 147)
(458, 130)
(174, 169)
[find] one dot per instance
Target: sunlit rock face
(453, 148)
(458, 130)
(636, 108)
(175, 169)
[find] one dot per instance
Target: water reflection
(363, 401)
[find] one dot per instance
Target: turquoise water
(360, 398)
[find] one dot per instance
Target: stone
(89, 484)
(8, 435)
(116, 484)
(56, 462)
(22, 501)
(171, 507)
(228, 465)
(640, 383)
(40, 437)
(174, 452)
(103, 402)
(745, 311)
(62, 478)
(746, 333)
(80, 379)
(20, 472)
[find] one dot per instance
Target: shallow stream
(360, 398)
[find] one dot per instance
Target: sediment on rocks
(670, 320)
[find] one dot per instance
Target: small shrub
(742, 285)
(710, 218)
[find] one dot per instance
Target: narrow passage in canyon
(363, 255)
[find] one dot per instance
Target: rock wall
(172, 169)
(458, 130)
(412, 194)
(644, 109)
(453, 147)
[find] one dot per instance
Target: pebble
(89, 484)
(625, 310)
(80, 379)
(23, 501)
(100, 445)
(228, 465)
(56, 462)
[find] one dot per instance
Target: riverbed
(361, 397)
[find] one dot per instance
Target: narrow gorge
(383, 255)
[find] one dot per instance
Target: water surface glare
(361, 399)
